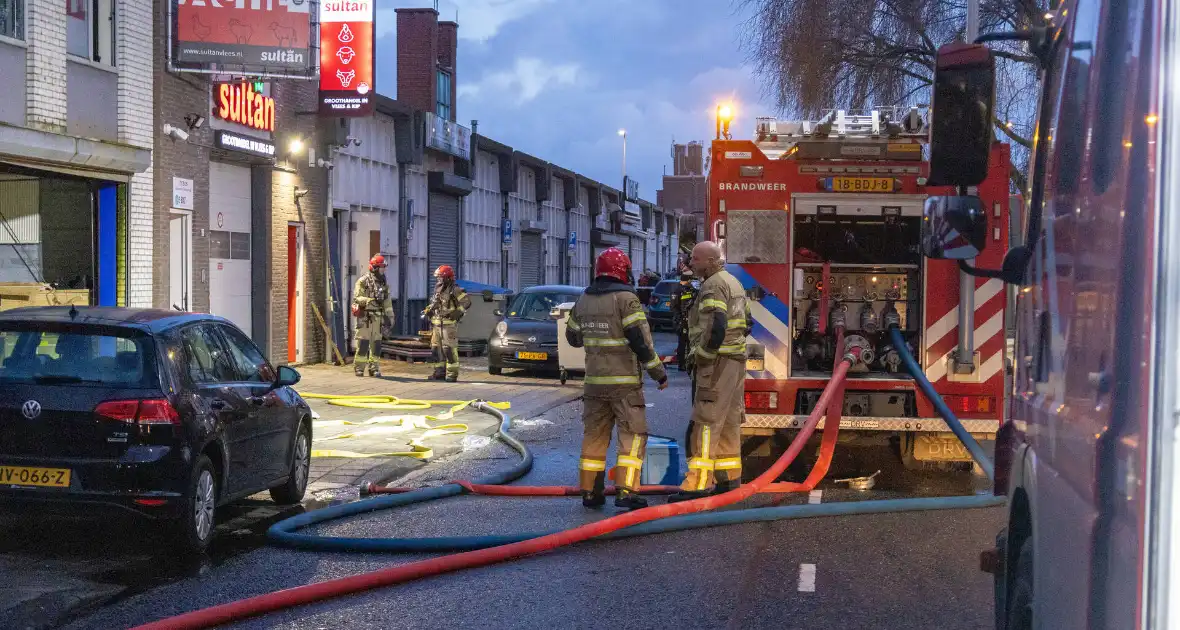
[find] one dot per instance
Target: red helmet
(613, 263)
(376, 261)
(444, 271)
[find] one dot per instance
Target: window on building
(12, 18)
(90, 29)
(442, 107)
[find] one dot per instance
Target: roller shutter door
(444, 232)
(531, 259)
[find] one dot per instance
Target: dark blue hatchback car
(161, 414)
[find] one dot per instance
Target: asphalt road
(917, 570)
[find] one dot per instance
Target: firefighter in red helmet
(373, 309)
(447, 307)
(609, 322)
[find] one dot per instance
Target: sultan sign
(239, 103)
(259, 36)
(346, 57)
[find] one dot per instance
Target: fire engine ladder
(778, 139)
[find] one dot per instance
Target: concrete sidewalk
(528, 395)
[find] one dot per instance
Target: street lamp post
(623, 134)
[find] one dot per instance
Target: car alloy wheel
(302, 462)
(204, 502)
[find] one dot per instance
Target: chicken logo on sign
(345, 77)
(345, 34)
(345, 55)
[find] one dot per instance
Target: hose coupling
(857, 350)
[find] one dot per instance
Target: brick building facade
(76, 144)
(233, 224)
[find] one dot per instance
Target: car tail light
(971, 405)
(142, 412)
(762, 401)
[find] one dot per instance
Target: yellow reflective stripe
(593, 465)
(634, 318)
(714, 303)
(686, 297)
(700, 464)
(603, 343)
(736, 323)
(651, 365)
(728, 463)
(442, 322)
(733, 348)
(632, 463)
(611, 380)
(702, 477)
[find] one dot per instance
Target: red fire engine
(820, 221)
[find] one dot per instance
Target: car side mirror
(953, 228)
(961, 113)
(287, 377)
(498, 313)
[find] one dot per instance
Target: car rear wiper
(62, 378)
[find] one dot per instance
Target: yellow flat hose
(400, 423)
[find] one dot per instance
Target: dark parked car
(162, 414)
(527, 336)
(659, 311)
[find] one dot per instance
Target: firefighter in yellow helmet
(718, 325)
(447, 307)
(373, 310)
(609, 322)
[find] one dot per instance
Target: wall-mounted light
(296, 146)
(194, 121)
(300, 194)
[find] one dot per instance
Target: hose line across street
(480, 550)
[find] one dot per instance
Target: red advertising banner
(347, 78)
(252, 34)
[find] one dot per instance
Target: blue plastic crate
(662, 464)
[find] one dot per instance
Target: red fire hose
(444, 564)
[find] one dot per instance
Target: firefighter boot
(374, 369)
(595, 498)
(689, 495)
(452, 378)
(439, 374)
(629, 500)
(727, 486)
(358, 367)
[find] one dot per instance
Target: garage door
(229, 244)
(531, 259)
(443, 217)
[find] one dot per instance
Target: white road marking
(815, 496)
(807, 578)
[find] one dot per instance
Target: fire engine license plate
(755, 365)
(862, 184)
(942, 447)
(41, 477)
(532, 356)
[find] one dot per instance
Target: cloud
(525, 81)
(479, 20)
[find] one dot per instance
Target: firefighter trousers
(444, 344)
(368, 342)
(715, 431)
(599, 417)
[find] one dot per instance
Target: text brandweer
(751, 186)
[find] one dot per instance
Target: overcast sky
(558, 78)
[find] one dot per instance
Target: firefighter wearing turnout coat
(446, 308)
(609, 322)
(718, 325)
(373, 310)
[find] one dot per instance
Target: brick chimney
(448, 44)
(418, 39)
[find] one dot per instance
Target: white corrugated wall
(580, 223)
(555, 238)
(481, 234)
(416, 274)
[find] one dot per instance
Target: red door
(292, 289)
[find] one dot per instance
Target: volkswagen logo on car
(31, 409)
(532, 340)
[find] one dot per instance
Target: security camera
(175, 133)
(194, 121)
(352, 140)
